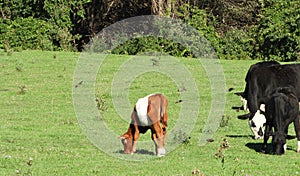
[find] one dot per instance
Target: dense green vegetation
(40, 133)
(254, 29)
(278, 32)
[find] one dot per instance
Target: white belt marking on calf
(142, 111)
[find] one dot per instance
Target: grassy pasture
(40, 134)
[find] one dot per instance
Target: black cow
(256, 119)
(281, 110)
(248, 77)
(263, 81)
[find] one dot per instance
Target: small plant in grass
(19, 66)
(197, 172)
(29, 169)
(223, 146)
(224, 121)
(22, 89)
(7, 48)
(181, 137)
(220, 154)
(101, 104)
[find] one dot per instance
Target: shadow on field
(141, 152)
(257, 146)
(239, 136)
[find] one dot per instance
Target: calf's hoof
(161, 152)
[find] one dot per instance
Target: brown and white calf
(149, 112)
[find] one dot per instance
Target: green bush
(204, 23)
(186, 41)
(237, 44)
(26, 33)
(31, 24)
(149, 44)
(278, 32)
(14, 9)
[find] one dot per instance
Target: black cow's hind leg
(297, 130)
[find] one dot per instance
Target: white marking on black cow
(262, 107)
(244, 101)
(258, 122)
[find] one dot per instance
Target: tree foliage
(36, 24)
(23, 33)
(278, 32)
(237, 29)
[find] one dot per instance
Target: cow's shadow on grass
(239, 136)
(258, 146)
(139, 152)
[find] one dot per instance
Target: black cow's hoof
(264, 150)
(244, 117)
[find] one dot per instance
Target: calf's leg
(136, 136)
(154, 115)
(158, 138)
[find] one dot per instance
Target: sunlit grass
(38, 122)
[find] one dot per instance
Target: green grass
(38, 121)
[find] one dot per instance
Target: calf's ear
(124, 136)
(123, 139)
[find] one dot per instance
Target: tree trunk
(161, 7)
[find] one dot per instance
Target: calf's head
(279, 142)
(127, 144)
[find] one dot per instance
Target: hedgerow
(255, 29)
